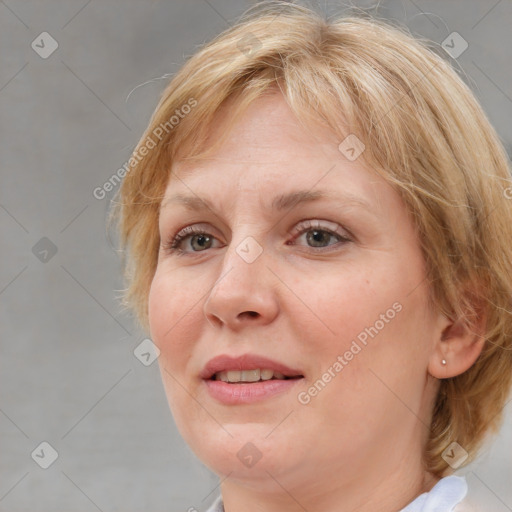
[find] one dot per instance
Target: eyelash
(172, 245)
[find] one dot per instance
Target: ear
(458, 342)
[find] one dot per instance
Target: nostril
(250, 313)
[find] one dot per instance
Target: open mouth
(248, 378)
(251, 376)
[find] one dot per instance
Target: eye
(318, 235)
(199, 240)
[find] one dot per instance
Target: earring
(443, 362)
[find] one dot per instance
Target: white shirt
(445, 496)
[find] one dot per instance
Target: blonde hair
(423, 131)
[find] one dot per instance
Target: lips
(232, 380)
(245, 363)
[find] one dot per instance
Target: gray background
(68, 122)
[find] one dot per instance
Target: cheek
(372, 320)
(172, 311)
(337, 305)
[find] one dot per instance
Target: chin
(249, 453)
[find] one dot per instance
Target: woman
(317, 227)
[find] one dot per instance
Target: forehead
(269, 152)
(267, 130)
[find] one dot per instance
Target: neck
(374, 491)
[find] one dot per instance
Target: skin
(357, 444)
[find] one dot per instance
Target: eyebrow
(279, 203)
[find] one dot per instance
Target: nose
(245, 292)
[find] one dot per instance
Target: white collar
(443, 497)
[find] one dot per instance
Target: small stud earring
(443, 362)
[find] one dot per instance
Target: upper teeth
(247, 375)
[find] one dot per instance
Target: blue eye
(198, 236)
(317, 237)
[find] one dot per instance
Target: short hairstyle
(423, 131)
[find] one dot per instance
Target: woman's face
(331, 290)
